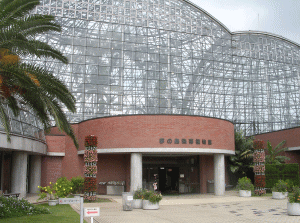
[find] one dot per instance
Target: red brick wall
(56, 143)
(51, 169)
(206, 163)
(292, 137)
(144, 131)
(113, 168)
(137, 131)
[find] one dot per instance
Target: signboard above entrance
(185, 141)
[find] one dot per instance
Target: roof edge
(208, 14)
(267, 34)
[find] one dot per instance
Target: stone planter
(293, 208)
(147, 205)
(52, 202)
(245, 193)
(137, 204)
(279, 195)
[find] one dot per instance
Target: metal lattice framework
(171, 57)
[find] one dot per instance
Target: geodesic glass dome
(172, 57)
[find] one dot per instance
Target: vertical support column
(136, 171)
(35, 173)
(219, 174)
(19, 172)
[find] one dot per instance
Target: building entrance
(177, 174)
(168, 179)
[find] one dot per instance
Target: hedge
(275, 172)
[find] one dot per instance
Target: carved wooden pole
(90, 168)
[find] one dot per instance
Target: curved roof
(241, 32)
(267, 34)
(209, 15)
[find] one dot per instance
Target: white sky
(281, 17)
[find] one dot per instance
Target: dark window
(209, 142)
(203, 141)
(161, 140)
(176, 141)
(191, 141)
(183, 141)
(197, 141)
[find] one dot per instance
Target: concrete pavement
(197, 208)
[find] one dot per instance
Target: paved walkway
(197, 208)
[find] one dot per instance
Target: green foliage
(273, 156)
(245, 184)
(77, 184)
(155, 197)
(280, 186)
(138, 194)
(61, 189)
(294, 197)
(287, 172)
(30, 84)
(13, 207)
(59, 214)
(242, 162)
(152, 196)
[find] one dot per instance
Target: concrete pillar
(219, 174)
(35, 174)
(136, 168)
(19, 173)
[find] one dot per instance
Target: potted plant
(48, 190)
(138, 199)
(245, 187)
(279, 191)
(151, 200)
(293, 206)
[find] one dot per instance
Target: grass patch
(98, 200)
(59, 214)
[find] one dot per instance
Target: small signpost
(68, 200)
(74, 201)
(91, 212)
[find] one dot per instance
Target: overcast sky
(281, 17)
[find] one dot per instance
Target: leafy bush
(294, 197)
(63, 187)
(12, 207)
(280, 186)
(153, 197)
(138, 194)
(275, 172)
(77, 184)
(245, 184)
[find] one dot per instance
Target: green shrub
(13, 207)
(146, 194)
(63, 187)
(153, 197)
(294, 197)
(138, 194)
(245, 184)
(77, 185)
(280, 186)
(275, 172)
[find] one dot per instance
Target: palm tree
(273, 156)
(241, 162)
(28, 84)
